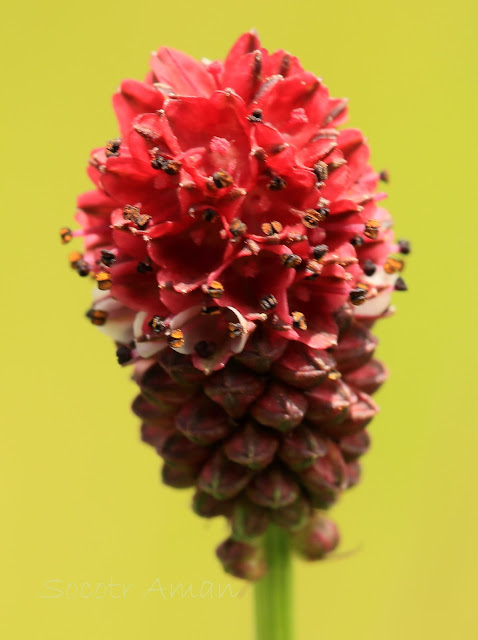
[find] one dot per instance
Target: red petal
(185, 75)
(138, 291)
(246, 43)
(135, 98)
(244, 75)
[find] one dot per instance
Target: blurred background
(91, 545)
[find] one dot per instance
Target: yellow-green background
(80, 497)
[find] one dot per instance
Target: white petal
(239, 344)
(119, 324)
(375, 306)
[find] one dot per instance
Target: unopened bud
(248, 521)
(273, 488)
(319, 537)
(360, 413)
(326, 477)
(208, 507)
(178, 451)
(354, 446)
(301, 447)
(303, 367)
(203, 421)
(150, 412)
(222, 478)
(355, 348)
(262, 349)
(179, 478)
(354, 471)
(329, 402)
(280, 407)
(180, 367)
(242, 560)
(251, 446)
(294, 516)
(155, 435)
(368, 378)
(234, 388)
(157, 385)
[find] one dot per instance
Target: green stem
(273, 594)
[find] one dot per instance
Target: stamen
(295, 237)
(392, 265)
(107, 258)
(313, 217)
(143, 267)
(260, 154)
(171, 167)
(291, 260)
(314, 268)
(74, 258)
(123, 354)
(205, 349)
(320, 250)
(66, 235)
(214, 289)
(210, 310)
(112, 148)
(237, 227)
(334, 375)
(134, 215)
(357, 241)
(97, 316)
(157, 324)
(277, 184)
(372, 227)
(335, 112)
(252, 246)
(384, 176)
(271, 228)
(83, 268)
(401, 285)
(256, 116)
(404, 247)
(176, 339)
(298, 320)
(222, 179)
(148, 134)
(235, 329)
(209, 215)
(158, 162)
(279, 148)
(321, 170)
(336, 164)
(257, 67)
(358, 296)
(284, 65)
(268, 302)
(369, 268)
(104, 281)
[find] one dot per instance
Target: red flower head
(241, 256)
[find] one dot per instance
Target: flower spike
(240, 256)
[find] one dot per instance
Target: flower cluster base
(273, 437)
